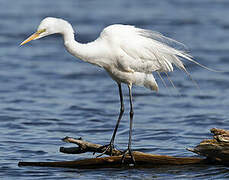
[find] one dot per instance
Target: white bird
(127, 53)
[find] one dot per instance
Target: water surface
(46, 94)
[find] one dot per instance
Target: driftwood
(142, 159)
(216, 151)
(84, 146)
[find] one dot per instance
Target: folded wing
(143, 50)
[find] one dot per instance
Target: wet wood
(84, 146)
(216, 149)
(142, 159)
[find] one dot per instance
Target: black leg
(120, 114)
(131, 117)
(130, 131)
(110, 146)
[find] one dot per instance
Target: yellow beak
(30, 38)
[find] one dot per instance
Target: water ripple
(46, 94)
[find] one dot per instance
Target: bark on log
(142, 159)
(216, 149)
(84, 146)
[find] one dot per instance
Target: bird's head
(49, 26)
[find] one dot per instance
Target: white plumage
(135, 53)
(127, 53)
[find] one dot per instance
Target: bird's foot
(130, 153)
(107, 149)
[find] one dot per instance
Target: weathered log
(216, 149)
(84, 146)
(142, 159)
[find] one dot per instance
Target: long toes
(123, 156)
(108, 148)
(129, 152)
(132, 158)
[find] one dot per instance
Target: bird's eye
(41, 31)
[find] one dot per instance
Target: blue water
(46, 94)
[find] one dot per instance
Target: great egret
(127, 53)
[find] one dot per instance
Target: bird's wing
(144, 50)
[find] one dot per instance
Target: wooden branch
(142, 159)
(84, 146)
(216, 149)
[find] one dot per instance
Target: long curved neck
(86, 52)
